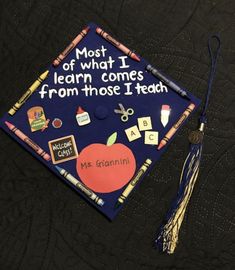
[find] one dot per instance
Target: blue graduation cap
(100, 118)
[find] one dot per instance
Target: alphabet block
(144, 123)
(151, 137)
(132, 133)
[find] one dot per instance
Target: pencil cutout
(165, 113)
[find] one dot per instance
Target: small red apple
(106, 168)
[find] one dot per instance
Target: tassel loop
(214, 58)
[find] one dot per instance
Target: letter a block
(144, 123)
(132, 133)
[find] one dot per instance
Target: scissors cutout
(125, 113)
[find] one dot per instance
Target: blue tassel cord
(168, 235)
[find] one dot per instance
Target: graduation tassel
(168, 235)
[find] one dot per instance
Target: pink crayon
(70, 47)
(117, 44)
(28, 141)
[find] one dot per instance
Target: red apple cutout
(106, 168)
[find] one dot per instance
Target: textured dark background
(43, 223)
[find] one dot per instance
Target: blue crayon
(80, 186)
(168, 82)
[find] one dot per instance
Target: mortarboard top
(95, 78)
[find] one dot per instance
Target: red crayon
(117, 44)
(71, 46)
(28, 141)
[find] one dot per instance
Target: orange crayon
(71, 46)
(173, 130)
(117, 44)
(28, 141)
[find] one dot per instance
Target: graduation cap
(100, 118)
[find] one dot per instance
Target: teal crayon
(89, 193)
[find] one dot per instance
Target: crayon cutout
(71, 46)
(28, 141)
(117, 44)
(85, 190)
(28, 93)
(134, 181)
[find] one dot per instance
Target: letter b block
(144, 123)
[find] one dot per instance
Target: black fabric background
(43, 223)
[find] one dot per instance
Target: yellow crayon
(28, 93)
(133, 182)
